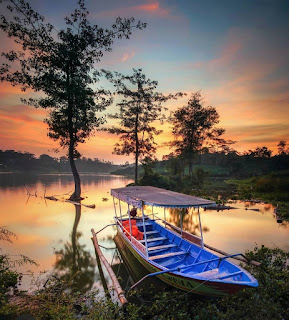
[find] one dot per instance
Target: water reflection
(129, 270)
(190, 220)
(74, 263)
(44, 229)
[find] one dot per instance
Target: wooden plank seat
(165, 246)
(216, 274)
(151, 232)
(209, 273)
(148, 223)
(166, 255)
(153, 239)
(231, 275)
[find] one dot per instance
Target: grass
(269, 301)
(215, 185)
(272, 188)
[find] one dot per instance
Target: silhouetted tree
(61, 64)
(174, 164)
(193, 126)
(139, 109)
(259, 152)
(282, 148)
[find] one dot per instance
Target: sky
(235, 52)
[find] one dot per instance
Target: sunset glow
(235, 53)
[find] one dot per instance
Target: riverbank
(269, 301)
(273, 188)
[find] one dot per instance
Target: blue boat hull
(186, 265)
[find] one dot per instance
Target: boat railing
(229, 275)
(219, 259)
(108, 225)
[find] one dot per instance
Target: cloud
(127, 55)
(153, 8)
(7, 90)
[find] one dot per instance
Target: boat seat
(148, 223)
(165, 246)
(216, 274)
(208, 273)
(151, 232)
(230, 275)
(166, 255)
(153, 239)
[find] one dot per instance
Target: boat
(175, 256)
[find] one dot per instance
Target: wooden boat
(179, 259)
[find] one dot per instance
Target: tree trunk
(77, 186)
(76, 196)
(136, 151)
(190, 166)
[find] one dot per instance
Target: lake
(57, 234)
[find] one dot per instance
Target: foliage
(283, 148)
(157, 180)
(259, 152)
(11, 160)
(268, 301)
(193, 126)
(140, 108)
(9, 278)
(61, 65)
(273, 187)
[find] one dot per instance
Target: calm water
(57, 235)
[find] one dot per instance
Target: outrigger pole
(112, 275)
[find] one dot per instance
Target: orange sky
(237, 57)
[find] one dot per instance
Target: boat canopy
(138, 196)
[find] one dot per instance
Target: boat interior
(169, 250)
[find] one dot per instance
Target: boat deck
(168, 250)
(180, 257)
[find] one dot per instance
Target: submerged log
(51, 198)
(116, 285)
(92, 206)
(219, 207)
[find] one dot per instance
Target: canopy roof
(145, 195)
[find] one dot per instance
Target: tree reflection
(190, 220)
(74, 264)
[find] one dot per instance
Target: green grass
(272, 188)
(268, 301)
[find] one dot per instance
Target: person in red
(134, 229)
(133, 212)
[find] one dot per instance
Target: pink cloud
(7, 89)
(127, 55)
(152, 8)
(228, 54)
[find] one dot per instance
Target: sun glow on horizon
(239, 62)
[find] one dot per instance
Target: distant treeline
(11, 160)
(219, 164)
(228, 164)
(216, 164)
